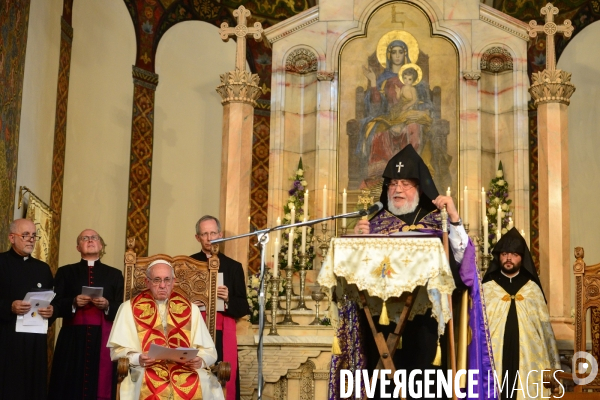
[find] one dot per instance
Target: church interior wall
(186, 167)
(98, 128)
(580, 58)
(38, 103)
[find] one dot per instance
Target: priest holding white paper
(23, 356)
(88, 295)
(163, 316)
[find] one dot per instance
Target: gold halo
(416, 67)
(407, 38)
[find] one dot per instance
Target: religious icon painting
(398, 85)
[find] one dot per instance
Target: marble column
(551, 90)
(239, 91)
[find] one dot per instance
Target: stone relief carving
(496, 59)
(301, 61)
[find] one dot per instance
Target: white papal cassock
(124, 339)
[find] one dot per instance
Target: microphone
(373, 209)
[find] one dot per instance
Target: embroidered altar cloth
(387, 266)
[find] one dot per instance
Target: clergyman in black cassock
(82, 368)
(23, 356)
(209, 228)
(519, 322)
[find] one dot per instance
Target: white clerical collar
(91, 262)
(206, 254)
(510, 277)
(25, 258)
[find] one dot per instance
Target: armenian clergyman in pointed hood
(412, 203)
(519, 323)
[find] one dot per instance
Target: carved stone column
(239, 91)
(551, 90)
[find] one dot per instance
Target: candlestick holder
(485, 263)
(466, 225)
(317, 296)
(344, 231)
(324, 240)
(287, 319)
(301, 304)
(274, 305)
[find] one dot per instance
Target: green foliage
(497, 195)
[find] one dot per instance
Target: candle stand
(287, 319)
(301, 304)
(274, 305)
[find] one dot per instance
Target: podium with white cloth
(371, 269)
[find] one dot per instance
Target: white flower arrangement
(497, 195)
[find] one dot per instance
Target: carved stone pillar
(551, 90)
(239, 91)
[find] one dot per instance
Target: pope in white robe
(124, 340)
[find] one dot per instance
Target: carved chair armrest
(551, 383)
(122, 369)
(222, 371)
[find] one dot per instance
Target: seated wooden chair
(198, 279)
(587, 296)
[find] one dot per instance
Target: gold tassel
(383, 318)
(335, 348)
(437, 361)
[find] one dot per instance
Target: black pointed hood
(408, 164)
(513, 242)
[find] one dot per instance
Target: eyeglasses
(88, 238)
(27, 236)
(211, 235)
(403, 185)
(158, 281)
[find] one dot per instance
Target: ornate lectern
(372, 269)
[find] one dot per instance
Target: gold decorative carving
(301, 61)
(496, 59)
(471, 75)
(239, 86)
(551, 86)
(550, 28)
(280, 392)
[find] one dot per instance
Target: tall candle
(448, 192)
(344, 201)
(306, 204)
(486, 243)
(293, 215)
(483, 205)
(465, 206)
(324, 201)
(510, 224)
(498, 235)
(499, 220)
(304, 238)
(276, 260)
(290, 247)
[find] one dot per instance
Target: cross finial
(399, 165)
(365, 199)
(550, 29)
(241, 30)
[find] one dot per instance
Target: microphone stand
(263, 238)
